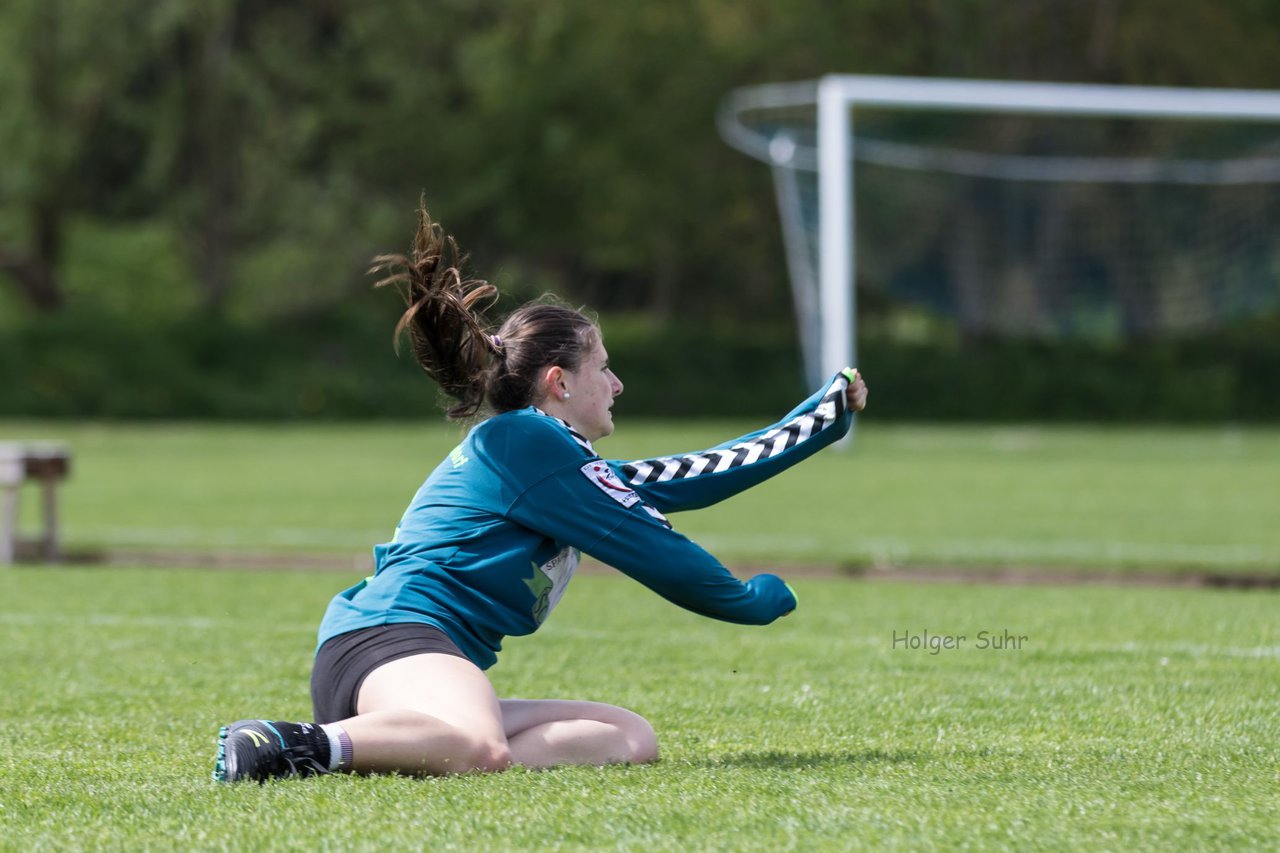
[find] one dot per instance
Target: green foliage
(219, 174)
(337, 362)
(1226, 375)
(324, 364)
(1128, 719)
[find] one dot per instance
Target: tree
(60, 63)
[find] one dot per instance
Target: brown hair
(454, 341)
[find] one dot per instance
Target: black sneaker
(256, 750)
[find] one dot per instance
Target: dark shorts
(345, 661)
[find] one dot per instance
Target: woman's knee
(638, 739)
(463, 751)
(444, 748)
(485, 755)
(641, 739)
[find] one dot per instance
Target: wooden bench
(40, 462)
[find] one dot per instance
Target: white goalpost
(807, 132)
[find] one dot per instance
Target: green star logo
(540, 585)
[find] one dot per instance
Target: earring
(566, 395)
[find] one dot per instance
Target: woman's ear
(551, 385)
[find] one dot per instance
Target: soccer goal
(1018, 209)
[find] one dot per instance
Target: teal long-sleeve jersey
(490, 541)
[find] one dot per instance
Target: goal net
(1026, 210)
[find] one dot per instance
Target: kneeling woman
(491, 539)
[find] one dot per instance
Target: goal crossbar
(835, 96)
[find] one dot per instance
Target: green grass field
(1129, 717)
(1107, 500)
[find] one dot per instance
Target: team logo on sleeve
(602, 475)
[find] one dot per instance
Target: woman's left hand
(855, 396)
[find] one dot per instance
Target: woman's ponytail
(480, 367)
(445, 314)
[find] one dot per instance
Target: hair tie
(496, 343)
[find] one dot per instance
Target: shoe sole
(220, 766)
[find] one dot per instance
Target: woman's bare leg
(548, 732)
(436, 714)
(427, 714)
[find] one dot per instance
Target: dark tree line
(570, 142)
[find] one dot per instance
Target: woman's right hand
(855, 396)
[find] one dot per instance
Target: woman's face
(591, 389)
